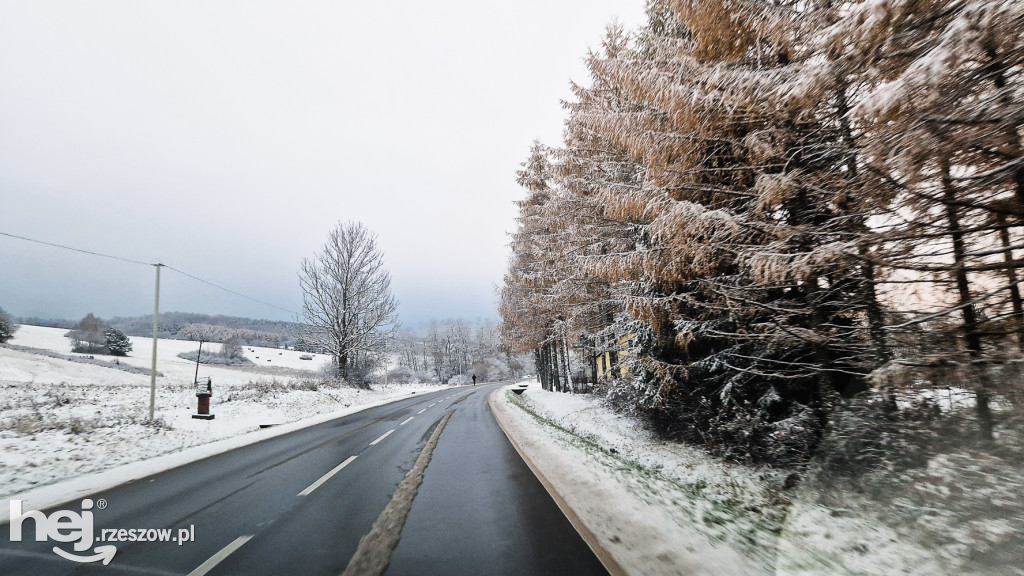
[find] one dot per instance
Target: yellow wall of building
(604, 361)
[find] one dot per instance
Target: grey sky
(227, 138)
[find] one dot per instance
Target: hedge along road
(300, 504)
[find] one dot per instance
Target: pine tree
(775, 200)
(117, 343)
(7, 326)
(528, 304)
(745, 269)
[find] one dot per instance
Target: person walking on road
(474, 379)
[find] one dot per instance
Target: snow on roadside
(651, 506)
(589, 417)
(968, 526)
(61, 419)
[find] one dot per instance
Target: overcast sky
(227, 138)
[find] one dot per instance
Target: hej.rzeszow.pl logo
(67, 526)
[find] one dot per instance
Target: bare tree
(232, 347)
(89, 337)
(347, 296)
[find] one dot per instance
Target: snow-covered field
(60, 419)
(268, 361)
(962, 513)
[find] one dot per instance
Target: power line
(77, 249)
(229, 291)
(131, 261)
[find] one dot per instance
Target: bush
(864, 435)
(406, 375)
(215, 358)
(7, 326)
(400, 375)
(460, 380)
(330, 376)
(362, 368)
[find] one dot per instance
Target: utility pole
(152, 374)
(197, 360)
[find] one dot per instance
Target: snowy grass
(938, 503)
(113, 362)
(741, 507)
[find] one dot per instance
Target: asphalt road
(299, 504)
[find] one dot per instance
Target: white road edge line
(422, 411)
(326, 477)
(220, 556)
(406, 421)
(382, 436)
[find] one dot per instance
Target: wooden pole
(152, 374)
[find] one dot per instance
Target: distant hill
(53, 322)
(171, 324)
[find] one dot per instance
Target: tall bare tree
(347, 298)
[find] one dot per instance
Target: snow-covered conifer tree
(7, 326)
(116, 342)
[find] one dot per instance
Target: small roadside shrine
(204, 389)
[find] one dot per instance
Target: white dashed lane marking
(406, 421)
(327, 476)
(382, 436)
(220, 556)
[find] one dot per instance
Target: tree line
(762, 208)
(175, 325)
(453, 348)
(257, 332)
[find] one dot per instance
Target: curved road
(299, 504)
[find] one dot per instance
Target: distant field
(174, 368)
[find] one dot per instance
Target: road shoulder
(629, 534)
